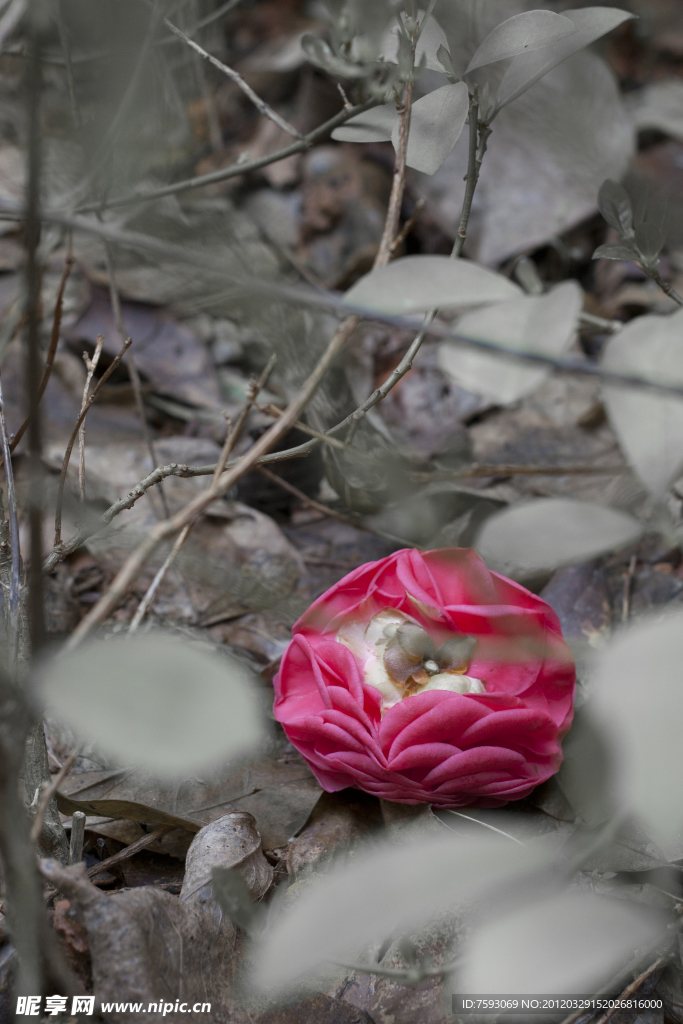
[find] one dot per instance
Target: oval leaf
(366, 901)
(541, 324)
(550, 532)
(436, 123)
(615, 205)
(154, 700)
(432, 37)
(638, 697)
(572, 942)
(520, 34)
(415, 284)
(649, 426)
(526, 68)
(374, 125)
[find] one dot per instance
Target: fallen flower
(426, 678)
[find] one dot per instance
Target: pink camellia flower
(426, 678)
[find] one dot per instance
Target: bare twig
(141, 610)
(326, 510)
(64, 42)
(628, 586)
(386, 245)
(408, 226)
(47, 794)
(54, 341)
(667, 288)
(275, 412)
(161, 531)
(235, 77)
(130, 851)
(77, 835)
(91, 366)
(15, 579)
(132, 368)
(237, 169)
(208, 20)
(633, 987)
(69, 448)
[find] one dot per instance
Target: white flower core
(369, 644)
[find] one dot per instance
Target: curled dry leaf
(228, 842)
(151, 948)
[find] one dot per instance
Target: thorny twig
(161, 531)
(48, 792)
(91, 366)
(74, 434)
(229, 444)
(15, 579)
(235, 77)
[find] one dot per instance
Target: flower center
(400, 658)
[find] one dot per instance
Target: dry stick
(47, 794)
(15, 578)
(228, 445)
(131, 365)
(275, 413)
(54, 341)
(237, 169)
(208, 20)
(129, 851)
(76, 838)
(67, 454)
(158, 533)
(235, 77)
(386, 245)
(628, 585)
(634, 986)
(91, 366)
(326, 510)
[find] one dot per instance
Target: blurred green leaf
(232, 895)
(615, 251)
(153, 700)
(550, 532)
(614, 203)
(415, 284)
(649, 426)
(543, 324)
(374, 125)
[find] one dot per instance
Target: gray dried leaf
(648, 425)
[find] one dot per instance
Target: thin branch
(326, 510)
(236, 169)
(208, 20)
(473, 167)
(67, 455)
(15, 578)
(228, 446)
(633, 987)
(47, 794)
(131, 366)
(667, 288)
(235, 77)
(386, 245)
(134, 563)
(91, 366)
(274, 412)
(54, 341)
(130, 851)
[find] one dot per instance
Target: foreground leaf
(415, 284)
(390, 889)
(639, 700)
(542, 324)
(436, 123)
(649, 426)
(154, 700)
(374, 125)
(521, 33)
(525, 70)
(550, 532)
(572, 942)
